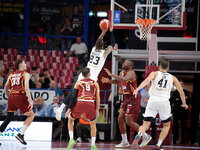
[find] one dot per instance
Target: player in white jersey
(98, 57)
(161, 85)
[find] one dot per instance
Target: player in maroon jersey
(18, 83)
(128, 81)
(87, 92)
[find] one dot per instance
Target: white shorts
(93, 77)
(161, 107)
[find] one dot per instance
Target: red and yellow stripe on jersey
(87, 90)
(16, 82)
(128, 87)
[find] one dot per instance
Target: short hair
(41, 74)
(99, 43)
(164, 64)
(45, 69)
(34, 68)
(130, 63)
(85, 72)
(18, 62)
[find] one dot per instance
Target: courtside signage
(37, 131)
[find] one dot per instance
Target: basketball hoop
(145, 26)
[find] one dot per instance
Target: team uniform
(17, 98)
(85, 100)
(159, 96)
(129, 101)
(95, 64)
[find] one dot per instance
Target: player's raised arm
(108, 50)
(27, 89)
(103, 33)
(180, 90)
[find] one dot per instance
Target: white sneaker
(78, 139)
(58, 114)
(145, 140)
(123, 144)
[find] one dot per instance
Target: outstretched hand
(111, 28)
(105, 80)
(108, 71)
(185, 106)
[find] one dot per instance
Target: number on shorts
(94, 59)
(161, 85)
(15, 81)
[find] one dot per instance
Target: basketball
(104, 24)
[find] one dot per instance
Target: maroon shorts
(84, 107)
(16, 101)
(129, 104)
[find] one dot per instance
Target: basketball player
(18, 82)
(161, 85)
(86, 91)
(98, 57)
(128, 80)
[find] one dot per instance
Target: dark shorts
(84, 107)
(20, 102)
(129, 104)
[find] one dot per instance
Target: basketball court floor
(15, 145)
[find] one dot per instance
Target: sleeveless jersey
(86, 90)
(16, 82)
(128, 87)
(96, 61)
(161, 86)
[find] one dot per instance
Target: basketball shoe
(71, 144)
(123, 144)
(146, 139)
(20, 138)
(158, 148)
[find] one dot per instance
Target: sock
(62, 107)
(71, 135)
(93, 141)
(124, 138)
(23, 129)
(159, 143)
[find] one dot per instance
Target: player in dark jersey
(128, 81)
(18, 83)
(87, 92)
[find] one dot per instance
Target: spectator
(77, 21)
(9, 71)
(80, 50)
(1, 78)
(53, 106)
(37, 107)
(81, 10)
(43, 112)
(53, 86)
(83, 125)
(47, 78)
(101, 117)
(34, 77)
(66, 29)
(41, 80)
(179, 114)
(38, 85)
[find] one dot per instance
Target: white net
(145, 26)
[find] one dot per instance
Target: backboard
(169, 14)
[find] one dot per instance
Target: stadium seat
(32, 52)
(22, 57)
(34, 58)
(8, 57)
(44, 53)
(57, 66)
(60, 59)
(55, 73)
(68, 73)
(48, 59)
(2, 51)
(12, 51)
(56, 53)
(73, 60)
(44, 65)
(72, 67)
(31, 64)
(65, 82)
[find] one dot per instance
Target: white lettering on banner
(46, 94)
(43, 133)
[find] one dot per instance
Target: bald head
(53, 84)
(127, 65)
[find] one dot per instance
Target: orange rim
(145, 22)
